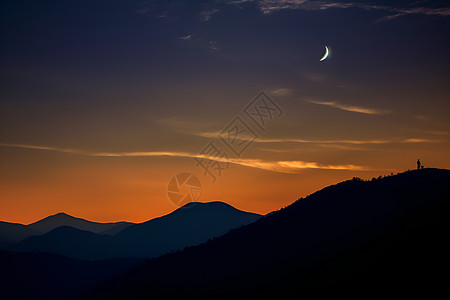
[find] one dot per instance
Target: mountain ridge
(16, 232)
(63, 219)
(353, 237)
(189, 225)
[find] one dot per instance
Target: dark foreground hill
(383, 237)
(49, 276)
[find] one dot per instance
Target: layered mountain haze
(62, 219)
(69, 242)
(384, 235)
(192, 224)
(154, 149)
(14, 232)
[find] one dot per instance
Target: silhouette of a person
(418, 164)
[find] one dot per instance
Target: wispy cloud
(185, 37)
(34, 147)
(207, 14)
(270, 6)
(389, 17)
(203, 129)
(212, 45)
(302, 149)
(398, 12)
(352, 108)
(291, 167)
(281, 92)
(237, 2)
(217, 134)
(312, 165)
(433, 132)
(419, 140)
(192, 128)
(324, 143)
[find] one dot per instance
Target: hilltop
(371, 237)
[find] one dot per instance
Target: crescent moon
(325, 55)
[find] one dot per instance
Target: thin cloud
(312, 165)
(281, 92)
(418, 140)
(185, 37)
(433, 132)
(183, 126)
(388, 18)
(217, 134)
(290, 167)
(327, 143)
(352, 108)
(302, 149)
(212, 45)
(237, 2)
(270, 6)
(207, 14)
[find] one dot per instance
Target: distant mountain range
(189, 225)
(14, 232)
(363, 238)
(62, 219)
(359, 238)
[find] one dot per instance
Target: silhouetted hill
(62, 219)
(192, 224)
(116, 229)
(49, 276)
(14, 232)
(189, 225)
(365, 238)
(70, 242)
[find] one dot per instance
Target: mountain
(189, 225)
(14, 232)
(361, 238)
(70, 242)
(49, 276)
(61, 219)
(192, 224)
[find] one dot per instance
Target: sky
(103, 102)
